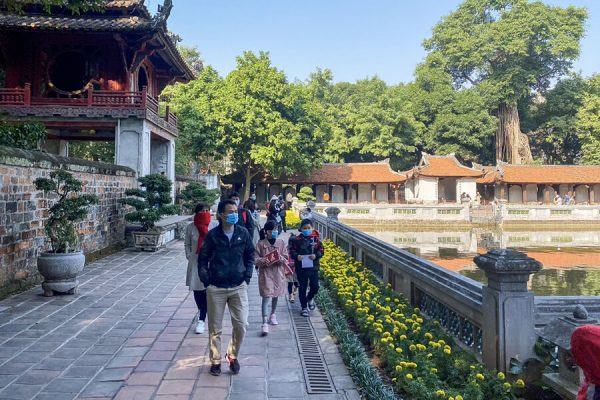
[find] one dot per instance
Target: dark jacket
(226, 264)
(245, 219)
(305, 245)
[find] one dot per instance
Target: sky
(355, 39)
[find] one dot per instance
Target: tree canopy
(588, 123)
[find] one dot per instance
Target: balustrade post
(508, 307)
(167, 110)
(332, 213)
(27, 94)
(144, 96)
(90, 96)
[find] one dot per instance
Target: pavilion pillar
(524, 188)
(330, 190)
(397, 194)
(373, 194)
(502, 192)
(547, 194)
(592, 195)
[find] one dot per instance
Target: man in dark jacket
(245, 217)
(225, 267)
(306, 250)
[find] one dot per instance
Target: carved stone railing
(474, 313)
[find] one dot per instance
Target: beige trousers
(237, 300)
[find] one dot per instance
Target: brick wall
(23, 210)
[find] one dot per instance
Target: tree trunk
(508, 133)
(248, 182)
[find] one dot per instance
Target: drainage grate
(315, 370)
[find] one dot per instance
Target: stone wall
(23, 210)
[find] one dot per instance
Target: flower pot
(60, 271)
(148, 240)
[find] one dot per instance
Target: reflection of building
(95, 76)
(538, 184)
(440, 179)
(342, 183)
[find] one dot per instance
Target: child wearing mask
(271, 259)
(290, 273)
(306, 250)
(194, 237)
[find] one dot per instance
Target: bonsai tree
(305, 194)
(151, 202)
(70, 207)
(197, 192)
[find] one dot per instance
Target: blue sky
(355, 39)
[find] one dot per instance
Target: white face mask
(237, 202)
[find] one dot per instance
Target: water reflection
(571, 258)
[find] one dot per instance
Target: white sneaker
(200, 327)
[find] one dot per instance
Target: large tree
(508, 48)
(269, 126)
(75, 6)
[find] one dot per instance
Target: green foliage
(93, 151)
(70, 207)
(196, 192)
(24, 135)
(551, 122)
(364, 374)
(191, 55)
(75, 6)
(588, 123)
(197, 107)
(151, 202)
(306, 194)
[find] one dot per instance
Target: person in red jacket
(585, 347)
(194, 237)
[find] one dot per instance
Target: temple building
(333, 183)
(539, 184)
(95, 76)
(440, 179)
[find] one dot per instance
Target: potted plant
(61, 265)
(150, 203)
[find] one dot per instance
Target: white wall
(409, 190)
(427, 189)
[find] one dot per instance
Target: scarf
(201, 221)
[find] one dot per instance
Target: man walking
(225, 267)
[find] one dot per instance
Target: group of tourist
(222, 255)
(567, 199)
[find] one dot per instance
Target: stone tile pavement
(128, 335)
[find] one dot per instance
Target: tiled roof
(124, 3)
(549, 174)
(48, 22)
(443, 166)
(380, 172)
(490, 175)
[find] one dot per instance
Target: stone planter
(148, 240)
(60, 271)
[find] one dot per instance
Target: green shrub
(195, 193)
(151, 202)
(305, 194)
(27, 135)
(70, 207)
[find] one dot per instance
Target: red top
(585, 347)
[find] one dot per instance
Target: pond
(571, 258)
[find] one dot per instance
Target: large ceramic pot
(60, 271)
(148, 240)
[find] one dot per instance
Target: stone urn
(60, 271)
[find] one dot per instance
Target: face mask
(253, 197)
(274, 234)
(307, 232)
(237, 202)
(232, 219)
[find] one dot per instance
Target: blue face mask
(307, 232)
(274, 234)
(232, 219)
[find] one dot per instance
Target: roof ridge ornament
(164, 11)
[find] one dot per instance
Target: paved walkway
(128, 334)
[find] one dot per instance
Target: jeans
(265, 307)
(306, 276)
(237, 300)
(201, 302)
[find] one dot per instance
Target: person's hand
(300, 258)
(312, 256)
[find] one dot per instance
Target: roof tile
(444, 166)
(550, 174)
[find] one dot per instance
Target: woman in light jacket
(194, 236)
(272, 281)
